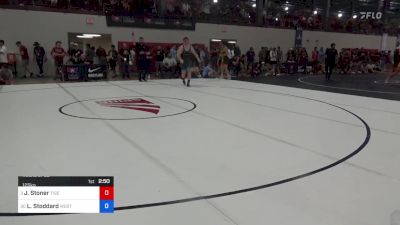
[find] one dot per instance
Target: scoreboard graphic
(65, 194)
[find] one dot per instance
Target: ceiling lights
(88, 36)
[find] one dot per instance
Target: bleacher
(179, 14)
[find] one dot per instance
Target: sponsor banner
(291, 68)
(79, 72)
(95, 71)
(157, 23)
(72, 72)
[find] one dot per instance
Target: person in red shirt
(58, 54)
(102, 55)
(23, 51)
(315, 58)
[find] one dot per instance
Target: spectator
(388, 59)
(356, 63)
(58, 54)
(382, 60)
(347, 60)
(321, 55)
(232, 11)
(273, 55)
(196, 66)
(364, 58)
(113, 58)
(173, 51)
(133, 56)
(231, 52)
(267, 57)
(396, 58)
(237, 51)
(243, 67)
(169, 62)
(3, 53)
(75, 54)
(159, 55)
(5, 73)
(208, 72)
(290, 56)
(249, 70)
(265, 68)
(344, 62)
(186, 9)
(236, 66)
(314, 59)
(250, 56)
(101, 59)
(23, 51)
(40, 57)
(204, 56)
(124, 56)
(279, 57)
(168, 65)
(262, 55)
(95, 58)
(303, 60)
(89, 54)
(255, 70)
(223, 62)
(143, 54)
(102, 56)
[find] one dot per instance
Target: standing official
(330, 61)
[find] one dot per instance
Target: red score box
(106, 193)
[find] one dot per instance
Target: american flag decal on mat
(134, 104)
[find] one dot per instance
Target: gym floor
(285, 150)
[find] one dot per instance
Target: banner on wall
(298, 39)
(95, 71)
(155, 23)
(72, 72)
(84, 71)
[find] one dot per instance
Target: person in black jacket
(125, 57)
(40, 56)
(330, 61)
(143, 59)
